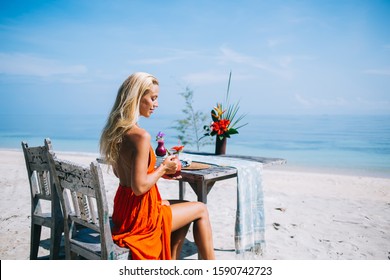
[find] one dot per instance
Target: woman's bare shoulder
(137, 135)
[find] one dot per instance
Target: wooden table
(201, 181)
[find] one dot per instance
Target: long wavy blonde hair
(124, 114)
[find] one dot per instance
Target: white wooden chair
(43, 193)
(87, 222)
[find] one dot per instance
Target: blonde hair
(124, 114)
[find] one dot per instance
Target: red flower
(178, 149)
(220, 127)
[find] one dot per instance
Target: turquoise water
(350, 143)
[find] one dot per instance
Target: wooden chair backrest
(38, 170)
(84, 203)
(45, 205)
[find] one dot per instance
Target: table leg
(202, 194)
(182, 190)
(200, 188)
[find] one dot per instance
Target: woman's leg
(185, 213)
(178, 236)
(177, 240)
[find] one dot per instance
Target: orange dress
(141, 223)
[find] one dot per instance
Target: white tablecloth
(250, 220)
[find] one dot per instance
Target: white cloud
(278, 67)
(302, 100)
(299, 20)
(174, 54)
(207, 77)
(216, 77)
(285, 61)
(229, 55)
(155, 61)
(373, 104)
(271, 43)
(382, 72)
(320, 102)
(30, 65)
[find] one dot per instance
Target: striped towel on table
(250, 220)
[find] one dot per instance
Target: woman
(150, 227)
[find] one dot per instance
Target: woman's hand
(172, 168)
(170, 165)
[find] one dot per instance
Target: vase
(161, 151)
(220, 146)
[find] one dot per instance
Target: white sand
(308, 215)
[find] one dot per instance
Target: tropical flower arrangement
(225, 121)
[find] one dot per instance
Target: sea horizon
(357, 144)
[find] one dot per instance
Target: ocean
(344, 143)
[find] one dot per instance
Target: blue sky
(286, 57)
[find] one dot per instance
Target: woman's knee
(202, 209)
(176, 201)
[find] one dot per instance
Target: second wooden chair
(43, 192)
(87, 222)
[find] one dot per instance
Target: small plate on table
(194, 165)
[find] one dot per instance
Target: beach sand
(309, 216)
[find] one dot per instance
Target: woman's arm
(141, 181)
